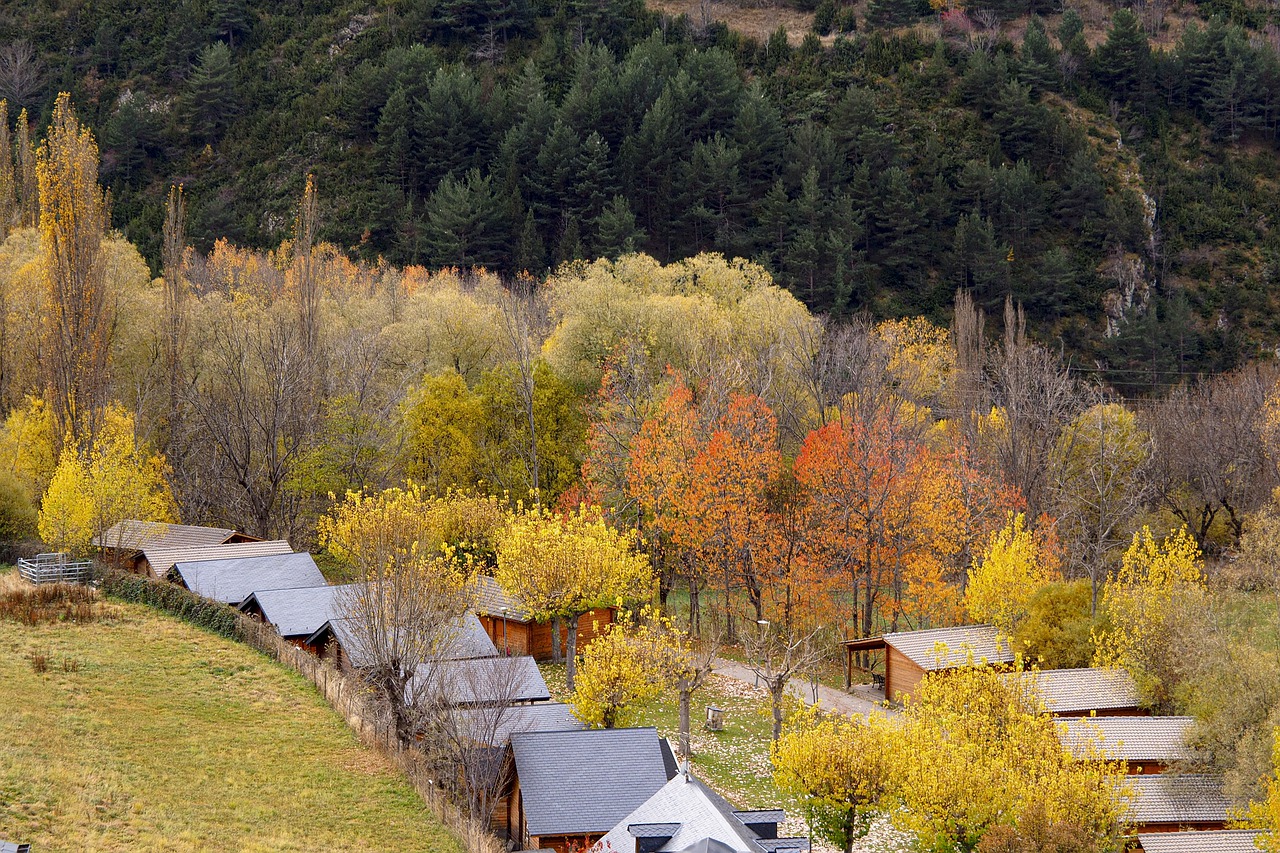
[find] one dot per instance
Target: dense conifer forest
(1111, 168)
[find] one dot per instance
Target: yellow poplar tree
(93, 489)
(1009, 572)
(1266, 814)
(561, 566)
(77, 328)
(1157, 581)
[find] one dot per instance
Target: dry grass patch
(166, 737)
(757, 21)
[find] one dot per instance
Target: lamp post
(506, 647)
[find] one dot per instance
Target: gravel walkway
(828, 698)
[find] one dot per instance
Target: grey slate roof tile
(944, 648)
(1177, 799)
(162, 560)
(470, 640)
(232, 580)
(1208, 841)
(1133, 739)
(491, 598)
(538, 717)
(1068, 691)
(476, 681)
(133, 535)
(299, 611)
(585, 781)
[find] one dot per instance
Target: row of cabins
(1102, 718)
(570, 788)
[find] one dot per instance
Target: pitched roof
(1177, 799)
(491, 598)
(480, 681)
(1068, 691)
(944, 648)
(232, 580)
(538, 717)
(693, 813)
(11, 847)
(162, 559)
(134, 535)
(585, 781)
(299, 611)
(469, 641)
(1206, 841)
(1134, 739)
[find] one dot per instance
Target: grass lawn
(734, 761)
(147, 733)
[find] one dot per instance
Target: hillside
(1114, 173)
(147, 733)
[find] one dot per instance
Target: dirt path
(829, 699)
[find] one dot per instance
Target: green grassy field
(148, 734)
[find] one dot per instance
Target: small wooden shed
(1144, 744)
(908, 655)
(514, 632)
(125, 542)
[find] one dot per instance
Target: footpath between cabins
(342, 692)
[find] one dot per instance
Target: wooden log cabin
(338, 642)
(1210, 841)
(515, 633)
(158, 562)
(232, 580)
(1083, 692)
(124, 543)
(1164, 802)
(297, 613)
(908, 655)
(573, 787)
(1145, 744)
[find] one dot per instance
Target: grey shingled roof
(469, 641)
(585, 781)
(539, 717)
(134, 535)
(480, 681)
(299, 611)
(1207, 841)
(1177, 799)
(1133, 739)
(491, 598)
(232, 580)
(1075, 691)
(926, 648)
(11, 847)
(697, 813)
(162, 560)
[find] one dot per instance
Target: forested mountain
(1124, 192)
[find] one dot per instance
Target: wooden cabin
(159, 561)
(572, 787)
(1169, 803)
(515, 633)
(907, 655)
(232, 580)
(1211, 841)
(1144, 744)
(123, 544)
(1083, 692)
(478, 682)
(299, 612)
(685, 813)
(337, 642)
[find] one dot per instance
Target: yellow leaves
(971, 752)
(91, 490)
(623, 670)
(1266, 815)
(1009, 572)
(921, 357)
(1156, 580)
(566, 564)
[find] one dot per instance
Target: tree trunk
(571, 654)
(555, 639)
(686, 696)
(776, 688)
(695, 615)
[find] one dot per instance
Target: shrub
(825, 17)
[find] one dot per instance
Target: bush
(55, 602)
(846, 21)
(825, 17)
(174, 600)
(1057, 631)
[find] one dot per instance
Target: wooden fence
(347, 696)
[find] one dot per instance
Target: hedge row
(173, 599)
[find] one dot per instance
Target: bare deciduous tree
(776, 656)
(22, 75)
